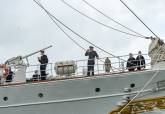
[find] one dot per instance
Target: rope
(62, 29)
(59, 26)
(147, 83)
(94, 20)
(139, 18)
(110, 18)
(52, 16)
(38, 3)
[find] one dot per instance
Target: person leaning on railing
(91, 59)
(9, 77)
(36, 76)
(131, 62)
(140, 61)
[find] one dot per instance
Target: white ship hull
(90, 95)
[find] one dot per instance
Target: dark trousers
(138, 68)
(90, 68)
(131, 69)
(43, 72)
(9, 78)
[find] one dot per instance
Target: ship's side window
(132, 85)
(5, 98)
(97, 90)
(40, 95)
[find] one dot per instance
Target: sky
(25, 27)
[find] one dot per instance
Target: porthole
(5, 98)
(40, 95)
(132, 85)
(97, 90)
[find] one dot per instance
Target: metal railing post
(119, 64)
(76, 72)
(52, 69)
(122, 66)
(97, 67)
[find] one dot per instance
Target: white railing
(118, 66)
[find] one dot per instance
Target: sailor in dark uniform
(140, 61)
(43, 61)
(36, 76)
(91, 59)
(9, 77)
(131, 63)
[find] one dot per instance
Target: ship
(74, 92)
(71, 91)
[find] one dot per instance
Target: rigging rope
(110, 18)
(147, 83)
(96, 21)
(63, 30)
(52, 16)
(138, 18)
(60, 26)
(48, 13)
(38, 3)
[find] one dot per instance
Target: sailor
(91, 59)
(43, 64)
(107, 65)
(36, 76)
(9, 77)
(140, 61)
(131, 62)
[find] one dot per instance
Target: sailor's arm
(87, 53)
(96, 55)
(128, 63)
(143, 59)
(39, 59)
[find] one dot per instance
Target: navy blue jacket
(44, 59)
(91, 57)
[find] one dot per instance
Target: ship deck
(80, 77)
(118, 67)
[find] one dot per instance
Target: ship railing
(118, 66)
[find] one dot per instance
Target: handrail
(118, 66)
(99, 66)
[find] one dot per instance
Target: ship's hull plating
(92, 95)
